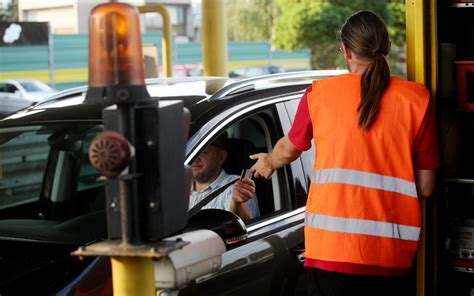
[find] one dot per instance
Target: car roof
(203, 96)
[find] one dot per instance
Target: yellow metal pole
(416, 72)
(214, 37)
(434, 47)
(166, 45)
(433, 88)
(415, 25)
(417, 63)
(133, 276)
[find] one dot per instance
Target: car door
(267, 263)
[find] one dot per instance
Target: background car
(252, 71)
(52, 201)
(187, 70)
(20, 93)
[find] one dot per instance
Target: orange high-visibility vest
(362, 207)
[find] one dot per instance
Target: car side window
(254, 134)
(11, 88)
(307, 157)
(262, 131)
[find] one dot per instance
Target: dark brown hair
(366, 35)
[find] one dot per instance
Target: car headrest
(238, 152)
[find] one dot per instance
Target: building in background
(64, 16)
(71, 16)
(185, 18)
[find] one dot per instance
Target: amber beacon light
(115, 47)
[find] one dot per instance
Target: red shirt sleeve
(426, 155)
(301, 131)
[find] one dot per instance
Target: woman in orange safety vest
(376, 155)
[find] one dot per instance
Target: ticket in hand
(246, 174)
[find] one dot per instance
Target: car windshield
(23, 156)
(32, 86)
(45, 175)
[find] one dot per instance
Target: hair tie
(377, 52)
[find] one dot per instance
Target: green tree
(396, 28)
(10, 13)
(315, 25)
(251, 19)
(396, 22)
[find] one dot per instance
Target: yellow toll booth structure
(440, 54)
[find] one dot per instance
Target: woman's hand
(283, 153)
(262, 168)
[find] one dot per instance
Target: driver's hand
(244, 190)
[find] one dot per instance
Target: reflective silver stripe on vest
(364, 179)
(360, 226)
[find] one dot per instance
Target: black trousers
(328, 283)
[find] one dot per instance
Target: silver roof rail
(252, 83)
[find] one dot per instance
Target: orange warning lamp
(115, 46)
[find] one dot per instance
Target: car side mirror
(18, 93)
(227, 225)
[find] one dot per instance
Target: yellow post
(214, 37)
(415, 25)
(133, 276)
(418, 39)
(166, 44)
(433, 47)
(416, 72)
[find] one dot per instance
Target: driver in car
(208, 176)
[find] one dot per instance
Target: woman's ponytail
(375, 82)
(366, 35)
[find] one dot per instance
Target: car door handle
(300, 257)
(298, 252)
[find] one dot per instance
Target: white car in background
(20, 93)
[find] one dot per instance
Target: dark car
(52, 200)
